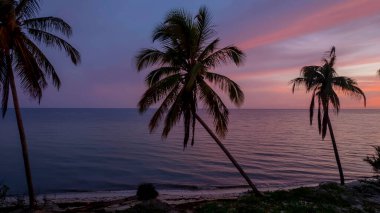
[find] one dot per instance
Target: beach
(356, 196)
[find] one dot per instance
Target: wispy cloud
(314, 21)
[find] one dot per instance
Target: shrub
(146, 191)
(374, 160)
(3, 193)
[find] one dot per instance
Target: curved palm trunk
(21, 130)
(335, 151)
(232, 159)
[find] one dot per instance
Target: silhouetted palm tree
(22, 56)
(182, 75)
(323, 81)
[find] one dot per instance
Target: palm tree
(323, 81)
(19, 54)
(181, 77)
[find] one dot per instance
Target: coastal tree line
(183, 76)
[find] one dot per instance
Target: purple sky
(279, 37)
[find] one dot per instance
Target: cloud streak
(332, 15)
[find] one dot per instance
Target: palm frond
(331, 53)
(233, 90)
(173, 115)
(210, 48)
(297, 82)
(224, 56)
(331, 57)
(162, 32)
(179, 17)
(31, 76)
(49, 24)
(334, 99)
(203, 24)
(54, 41)
(159, 73)
(176, 29)
(215, 107)
(157, 116)
(26, 9)
(43, 62)
(149, 57)
(310, 72)
(157, 91)
(349, 87)
(312, 77)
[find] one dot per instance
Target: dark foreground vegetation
(358, 196)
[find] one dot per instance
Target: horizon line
(199, 108)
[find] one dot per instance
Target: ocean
(89, 150)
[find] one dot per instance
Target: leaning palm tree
(20, 32)
(323, 82)
(182, 76)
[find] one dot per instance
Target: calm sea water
(111, 149)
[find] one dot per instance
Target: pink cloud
(337, 14)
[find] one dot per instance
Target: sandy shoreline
(171, 196)
(121, 200)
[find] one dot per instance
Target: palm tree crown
(323, 81)
(182, 73)
(20, 32)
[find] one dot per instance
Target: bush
(3, 193)
(374, 160)
(146, 191)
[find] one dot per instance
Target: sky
(278, 37)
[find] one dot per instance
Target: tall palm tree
(20, 28)
(182, 74)
(323, 82)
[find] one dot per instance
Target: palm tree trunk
(21, 130)
(335, 151)
(232, 159)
